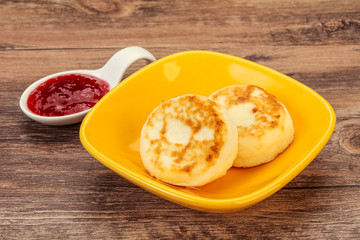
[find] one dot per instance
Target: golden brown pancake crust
(267, 109)
(195, 113)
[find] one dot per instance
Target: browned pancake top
(195, 112)
(267, 110)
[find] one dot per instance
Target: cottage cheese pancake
(188, 141)
(264, 125)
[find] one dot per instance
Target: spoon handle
(115, 68)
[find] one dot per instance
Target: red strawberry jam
(67, 94)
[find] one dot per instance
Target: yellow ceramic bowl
(111, 130)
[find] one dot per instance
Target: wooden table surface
(52, 188)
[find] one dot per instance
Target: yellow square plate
(111, 130)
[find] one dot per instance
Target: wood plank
(87, 24)
(133, 213)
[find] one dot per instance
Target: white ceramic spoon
(112, 72)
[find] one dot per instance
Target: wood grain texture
(51, 188)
